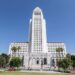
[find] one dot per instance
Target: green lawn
(30, 73)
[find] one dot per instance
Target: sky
(15, 16)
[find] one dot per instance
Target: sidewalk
(40, 71)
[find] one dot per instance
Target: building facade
(38, 53)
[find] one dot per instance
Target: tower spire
(38, 32)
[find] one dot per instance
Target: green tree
(14, 49)
(58, 54)
(18, 48)
(68, 55)
(73, 61)
(15, 62)
(4, 60)
(59, 50)
(6, 57)
(64, 63)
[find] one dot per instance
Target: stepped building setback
(37, 53)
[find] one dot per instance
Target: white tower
(38, 38)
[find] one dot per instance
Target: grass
(31, 73)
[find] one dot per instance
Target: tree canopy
(15, 62)
(4, 60)
(64, 63)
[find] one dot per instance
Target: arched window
(37, 61)
(45, 61)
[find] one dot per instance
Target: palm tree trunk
(17, 53)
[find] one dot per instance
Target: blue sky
(15, 16)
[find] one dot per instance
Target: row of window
(43, 61)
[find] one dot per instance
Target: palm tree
(18, 48)
(58, 55)
(14, 49)
(59, 50)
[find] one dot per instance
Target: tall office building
(38, 38)
(38, 53)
